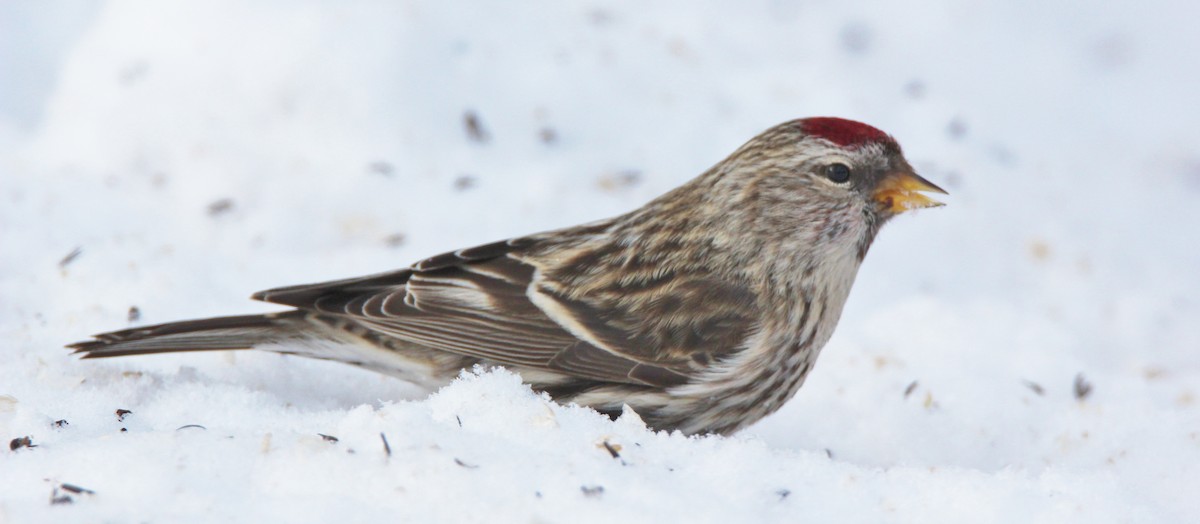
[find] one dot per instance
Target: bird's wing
(488, 302)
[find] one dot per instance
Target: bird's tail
(295, 332)
(241, 332)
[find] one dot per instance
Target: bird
(702, 311)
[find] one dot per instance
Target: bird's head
(817, 181)
(855, 160)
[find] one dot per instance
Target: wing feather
(486, 302)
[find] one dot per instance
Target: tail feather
(240, 332)
(294, 332)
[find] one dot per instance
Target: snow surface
(194, 153)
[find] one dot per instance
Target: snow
(195, 153)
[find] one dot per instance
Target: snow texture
(1029, 353)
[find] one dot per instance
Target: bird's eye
(837, 173)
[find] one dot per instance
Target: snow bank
(1028, 353)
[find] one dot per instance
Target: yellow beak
(900, 191)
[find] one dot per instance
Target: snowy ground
(189, 155)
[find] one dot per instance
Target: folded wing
(486, 303)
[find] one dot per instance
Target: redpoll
(703, 310)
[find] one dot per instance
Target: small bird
(703, 310)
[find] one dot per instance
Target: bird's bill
(900, 191)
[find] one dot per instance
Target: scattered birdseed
(220, 206)
(74, 254)
(21, 442)
(122, 413)
(134, 314)
(474, 126)
(386, 448)
(464, 182)
(1083, 388)
(613, 449)
(61, 423)
(328, 438)
(592, 491)
(76, 489)
(1035, 387)
(465, 465)
(57, 498)
(911, 387)
(394, 240)
(57, 495)
(1039, 250)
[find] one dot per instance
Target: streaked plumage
(703, 310)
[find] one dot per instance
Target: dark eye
(837, 173)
